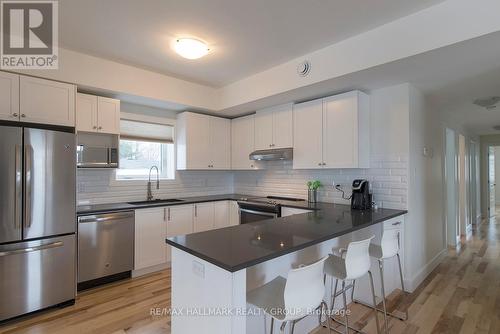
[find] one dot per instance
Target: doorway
(493, 171)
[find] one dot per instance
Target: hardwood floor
(461, 296)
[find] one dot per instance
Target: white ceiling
(245, 36)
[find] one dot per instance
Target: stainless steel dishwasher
(105, 248)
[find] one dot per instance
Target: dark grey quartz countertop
(242, 246)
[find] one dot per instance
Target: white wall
(424, 230)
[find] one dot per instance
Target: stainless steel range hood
(273, 154)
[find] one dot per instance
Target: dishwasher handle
(105, 217)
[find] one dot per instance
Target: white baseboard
(413, 283)
(149, 270)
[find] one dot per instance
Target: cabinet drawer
(394, 223)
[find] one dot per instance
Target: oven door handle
(259, 213)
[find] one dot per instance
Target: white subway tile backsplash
(388, 177)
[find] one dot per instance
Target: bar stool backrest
(390, 243)
(357, 258)
(304, 290)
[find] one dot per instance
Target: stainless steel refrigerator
(37, 219)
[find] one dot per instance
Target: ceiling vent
(304, 68)
(496, 127)
(488, 102)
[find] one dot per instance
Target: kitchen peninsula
(213, 270)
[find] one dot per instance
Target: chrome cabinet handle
(319, 163)
(168, 214)
(164, 214)
(195, 210)
(15, 114)
(100, 128)
(32, 249)
(23, 115)
(396, 223)
(94, 127)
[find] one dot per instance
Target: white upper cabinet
(333, 132)
(203, 142)
(108, 115)
(274, 127)
(86, 112)
(220, 143)
(9, 96)
(97, 114)
(46, 101)
(242, 142)
(308, 138)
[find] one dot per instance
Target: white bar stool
(353, 263)
(292, 299)
(388, 248)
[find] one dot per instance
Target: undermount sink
(156, 201)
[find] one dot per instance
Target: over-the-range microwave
(96, 157)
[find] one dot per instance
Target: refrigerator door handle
(28, 176)
(18, 195)
(32, 249)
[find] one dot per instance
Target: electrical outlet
(198, 269)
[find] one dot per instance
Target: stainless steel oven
(251, 212)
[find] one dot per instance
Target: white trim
(413, 283)
(149, 270)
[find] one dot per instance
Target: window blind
(145, 131)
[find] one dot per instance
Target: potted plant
(313, 186)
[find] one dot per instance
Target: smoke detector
(487, 102)
(304, 68)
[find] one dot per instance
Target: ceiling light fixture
(190, 48)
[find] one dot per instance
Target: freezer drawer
(36, 274)
(105, 245)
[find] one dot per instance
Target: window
(143, 145)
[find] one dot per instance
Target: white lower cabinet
(150, 233)
(221, 211)
(179, 222)
(234, 213)
(204, 217)
(391, 268)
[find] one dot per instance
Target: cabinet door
(198, 141)
(308, 137)
(283, 126)
(86, 112)
(46, 101)
(340, 131)
(150, 234)
(204, 215)
(221, 214)
(108, 115)
(264, 130)
(9, 96)
(179, 222)
(242, 142)
(234, 213)
(220, 143)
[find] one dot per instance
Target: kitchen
(206, 183)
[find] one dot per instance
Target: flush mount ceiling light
(488, 102)
(190, 48)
